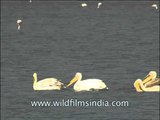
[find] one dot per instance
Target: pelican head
(99, 3)
(78, 76)
(152, 75)
(34, 74)
(137, 85)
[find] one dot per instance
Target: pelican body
(155, 6)
(86, 85)
(46, 84)
(99, 4)
(149, 84)
(84, 4)
(18, 24)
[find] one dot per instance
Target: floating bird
(84, 4)
(139, 82)
(18, 24)
(46, 84)
(99, 4)
(155, 6)
(86, 85)
(149, 82)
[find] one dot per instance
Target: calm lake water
(118, 43)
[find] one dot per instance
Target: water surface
(117, 43)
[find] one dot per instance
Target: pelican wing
(47, 82)
(153, 83)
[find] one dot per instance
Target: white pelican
(18, 24)
(86, 85)
(84, 4)
(99, 4)
(155, 6)
(46, 84)
(139, 85)
(149, 82)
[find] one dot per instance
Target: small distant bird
(99, 4)
(30, 1)
(18, 24)
(84, 5)
(155, 6)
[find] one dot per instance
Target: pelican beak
(147, 79)
(72, 81)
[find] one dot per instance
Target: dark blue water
(117, 43)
